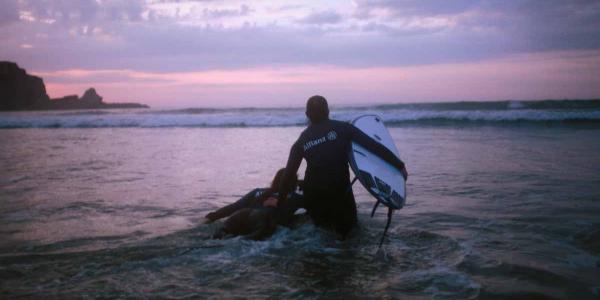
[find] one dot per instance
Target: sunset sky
(213, 53)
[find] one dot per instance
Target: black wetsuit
(282, 214)
(325, 147)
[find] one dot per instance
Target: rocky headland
(22, 91)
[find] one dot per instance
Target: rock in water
(91, 96)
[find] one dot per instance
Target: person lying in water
(257, 214)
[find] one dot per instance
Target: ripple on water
(303, 263)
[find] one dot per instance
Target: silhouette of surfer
(325, 145)
(257, 214)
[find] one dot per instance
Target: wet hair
(317, 109)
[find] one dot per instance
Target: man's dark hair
(317, 109)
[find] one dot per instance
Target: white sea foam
(288, 117)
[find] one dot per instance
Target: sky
(212, 53)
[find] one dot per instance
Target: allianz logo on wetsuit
(329, 137)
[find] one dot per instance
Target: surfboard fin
(387, 226)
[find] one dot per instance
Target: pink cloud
(574, 74)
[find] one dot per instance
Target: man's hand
(209, 218)
(270, 202)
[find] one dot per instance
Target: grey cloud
(104, 77)
(365, 8)
(525, 25)
(176, 48)
(322, 17)
(244, 10)
(494, 29)
(425, 8)
(382, 28)
(84, 11)
(542, 26)
(181, 1)
(9, 12)
(124, 10)
(290, 7)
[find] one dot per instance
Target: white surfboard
(381, 179)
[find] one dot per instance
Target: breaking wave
(427, 114)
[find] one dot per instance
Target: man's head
(317, 109)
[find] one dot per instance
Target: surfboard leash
(375, 207)
(387, 225)
(389, 214)
(351, 184)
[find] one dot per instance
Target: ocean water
(503, 203)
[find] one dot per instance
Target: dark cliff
(21, 91)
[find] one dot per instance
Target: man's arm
(370, 144)
(291, 168)
(227, 210)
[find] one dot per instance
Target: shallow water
(493, 212)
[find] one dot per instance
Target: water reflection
(492, 213)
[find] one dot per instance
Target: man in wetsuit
(325, 146)
(257, 214)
